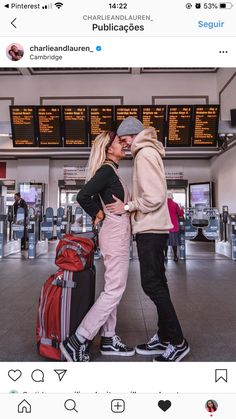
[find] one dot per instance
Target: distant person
(151, 224)
(211, 406)
(15, 53)
(20, 203)
(174, 238)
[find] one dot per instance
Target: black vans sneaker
(153, 347)
(73, 350)
(114, 346)
(174, 353)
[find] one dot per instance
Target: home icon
(24, 407)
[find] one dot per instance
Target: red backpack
(74, 253)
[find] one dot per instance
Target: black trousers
(151, 258)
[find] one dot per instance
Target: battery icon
(226, 5)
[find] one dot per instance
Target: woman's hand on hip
(99, 217)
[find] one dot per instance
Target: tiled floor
(203, 290)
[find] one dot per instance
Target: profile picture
(15, 52)
(211, 406)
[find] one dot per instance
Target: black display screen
(75, 126)
(23, 126)
(49, 126)
(206, 121)
(154, 116)
(100, 119)
(179, 125)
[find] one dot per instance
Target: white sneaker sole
(151, 352)
(65, 353)
(185, 353)
(118, 353)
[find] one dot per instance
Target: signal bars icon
(47, 6)
(58, 5)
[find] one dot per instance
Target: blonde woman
(103, 187)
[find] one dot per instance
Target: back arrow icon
(12, 23)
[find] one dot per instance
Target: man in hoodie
(151, 224)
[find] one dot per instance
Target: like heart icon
(164, 405)
(14, 374)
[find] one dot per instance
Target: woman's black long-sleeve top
(104, 184)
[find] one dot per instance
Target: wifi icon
(58, 5)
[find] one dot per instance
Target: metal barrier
(79, 221)
(212, 230)
(182, 247)
(10, 246)
(190, 230)
(208, 219)
(62, 226)
(35, 246)
(47, 225)
(232, 224)
(19, 225)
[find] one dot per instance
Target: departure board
(179, 125)
(206, 120)
(49, 126)
(154, 116)
(100, 119)
(23, 126)
(122, 112)
(75, 126)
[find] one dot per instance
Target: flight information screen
(100, 119)
(23, 126)
(49, 126)
(154, 116)
(122, 112)
(179, 125)
(206, 121)
(75, 126)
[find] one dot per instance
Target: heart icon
(14, 374)
(164, 405)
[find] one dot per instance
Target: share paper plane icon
(61, 374)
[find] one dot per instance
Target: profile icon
(211, 406)
(15, 52)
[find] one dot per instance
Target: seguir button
(217, 24)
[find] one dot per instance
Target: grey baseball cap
(130, 126)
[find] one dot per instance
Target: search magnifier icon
(70, 405)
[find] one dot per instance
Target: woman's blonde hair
(98, 153)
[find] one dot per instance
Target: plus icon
(117, 406)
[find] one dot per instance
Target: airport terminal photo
(50, 119)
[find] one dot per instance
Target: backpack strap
(111, 164)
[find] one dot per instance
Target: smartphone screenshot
(117, 209)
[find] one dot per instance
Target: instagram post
(117, 214)
(117, 209)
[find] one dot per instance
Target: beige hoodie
(149, 197)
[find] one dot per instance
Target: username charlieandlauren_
(56, 48)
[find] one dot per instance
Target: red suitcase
(66, 296)
(65, 299)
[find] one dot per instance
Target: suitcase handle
(64, 284)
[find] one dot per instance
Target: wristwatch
(126, 207)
